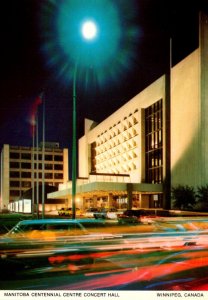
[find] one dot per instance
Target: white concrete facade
(120, 138)
(116, 173)
(189, 111)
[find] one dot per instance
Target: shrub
(202, 198)
(184, 197)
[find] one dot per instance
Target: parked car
(89, 213)
(61, 211)
(111, 213)
(67, 212)
(130, 216)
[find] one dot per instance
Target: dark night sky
(24, 73)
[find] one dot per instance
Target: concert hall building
(152, 143)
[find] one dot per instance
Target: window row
(116, 129)
(24, 165)
(28, 156)
(18, 192)
(155, 175)
(156, 107)
(121, 135)
(118, 141)
(154, 143)
(117, 150)
(117, 158)
(117, 169)
(29, 175)
(153, 140)
(153, 159)
(154, 122)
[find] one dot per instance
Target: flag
(33, 113)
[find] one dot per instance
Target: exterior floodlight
(89, 30)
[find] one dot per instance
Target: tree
(202, 198)
(184, 197)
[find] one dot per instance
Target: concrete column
(69, 202)
(82, 199)
(110, 200)
(144, 201)
(129, 195)
(94, 199)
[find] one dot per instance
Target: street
(159, 260)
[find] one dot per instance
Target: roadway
(170, 254)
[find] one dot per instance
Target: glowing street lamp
(89, 32)
(84, 34)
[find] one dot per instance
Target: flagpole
(37, 168)
(43, 162)
(35, 158)
(33, 185)
(74, 146)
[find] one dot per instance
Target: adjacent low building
(27, 168)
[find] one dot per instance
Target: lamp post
(74, 39)
(89, 32)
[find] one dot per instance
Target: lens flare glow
(108, 47)
(89, 30)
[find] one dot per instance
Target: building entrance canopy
(105, 188)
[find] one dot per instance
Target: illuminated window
(153, 143)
